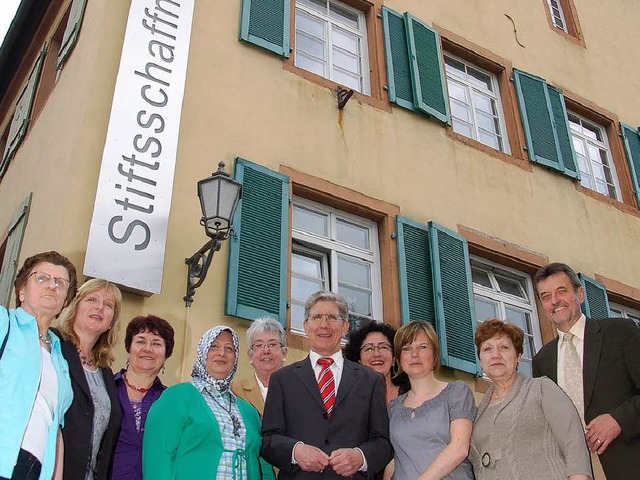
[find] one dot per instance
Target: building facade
(423, 159)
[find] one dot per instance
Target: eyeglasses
(268, 346)
(369, 348)
(330, 317)
(217, 349)
(43, 278)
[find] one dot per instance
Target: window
(625, 312)
(333, 250)
(501, 292)
(474, 100)
(557, 15)
(593, 154)
(331, 41)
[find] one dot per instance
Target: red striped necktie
(327, 384)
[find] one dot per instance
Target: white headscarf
(200, 367)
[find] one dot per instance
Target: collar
(337, 357)
(210, 388)
(577, 330)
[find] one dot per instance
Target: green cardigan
(182, 438)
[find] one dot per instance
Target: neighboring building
(482, 140)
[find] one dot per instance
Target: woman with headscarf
(200, 429)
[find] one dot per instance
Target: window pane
(479, 78)
(344, 16)
(346, 61)
(311, 47)
(518, 317)
(488, 139)
(457, 67)
(302, 288)
(486, 122)
(352, 234)
(481, 277)
(359, 300)
(462, 127)
(345, 40)
(318, 5)
(354, 272)
(510, 286)
(297, 316)
(307, 266)
(485, 308)
(310, 25)
(310, 221)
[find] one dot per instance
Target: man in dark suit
(609, 355)
(342, 432)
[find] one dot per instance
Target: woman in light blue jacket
(35, 390)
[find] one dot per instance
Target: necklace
(141, 390)
(44, 338)
(89, 362)
(234, 420)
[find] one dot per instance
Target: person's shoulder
(617, 326)
(287, 369)
(366, 372)
(458, 387)
(180, 389)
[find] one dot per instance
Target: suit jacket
(611, 382)
(78, 422)
(294, 412)
(249, 390)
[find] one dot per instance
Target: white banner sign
(131, 212)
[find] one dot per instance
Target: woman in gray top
(430, 426)
(526, 428)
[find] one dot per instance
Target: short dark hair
(497, 328)
(552, 269)
(355, 338)
(50, 257)
(153, 324)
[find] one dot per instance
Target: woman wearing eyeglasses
(89, 328)
(267, 350)
(371, 344)
(200, 429)
(35, 391)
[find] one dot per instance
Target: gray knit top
(535, 433)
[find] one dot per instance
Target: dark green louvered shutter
(12, 251)
(596, 302)
(70, 37)
(399, 84)
(565, 144)
(545, 123)
(427, 71)
(266, 23)
(414, 270)
(631, 138)
(22, 114)
(258, 257)
(455, 312)
(435, 286)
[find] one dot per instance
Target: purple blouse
(127, 461)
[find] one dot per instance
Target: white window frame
(604, 145)
(453, 76)
(625, 312)
(328, 248)
(505, 299)
(330, 24)
(559, 19)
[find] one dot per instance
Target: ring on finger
(598, 440)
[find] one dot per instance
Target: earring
(162, 369)
(127, 365)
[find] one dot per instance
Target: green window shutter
(399, 84)
(12, 251)
(22, 114)
(435, 286)
(565, 143)
(631, 138)
(537, 120)
(266, 23)
(427, 70)
(258, 249)
(596, 302)
(414, 270)
(70, 37)
(455, 312)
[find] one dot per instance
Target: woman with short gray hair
(267, 350)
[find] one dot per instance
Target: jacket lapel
(307, 376)
(349, 378)
(75, 367)
(591, 357)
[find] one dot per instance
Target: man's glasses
(330, 317)
(369, 348)
(43, 278)
(266, 346)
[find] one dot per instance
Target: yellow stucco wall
(239, 101)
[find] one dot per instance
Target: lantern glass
(219, 195)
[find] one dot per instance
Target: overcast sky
(7, 11)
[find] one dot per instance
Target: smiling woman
(89, 327)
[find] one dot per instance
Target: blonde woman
(89, 327)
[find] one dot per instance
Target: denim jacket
(20, 369)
